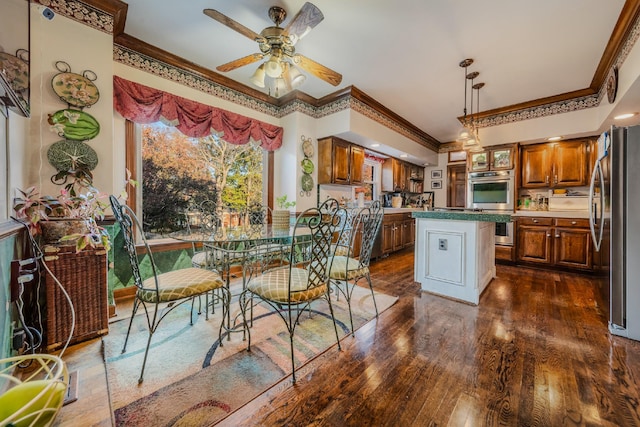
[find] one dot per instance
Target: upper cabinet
(339, 162)
(556, 164)
(496, 158)
(402, 176)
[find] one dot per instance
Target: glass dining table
(247, 249)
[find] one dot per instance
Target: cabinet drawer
(572, 222)
(535, 221)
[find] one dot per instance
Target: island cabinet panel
(555, 242)
(558, 164)
(339, 162)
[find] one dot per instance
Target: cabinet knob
(548, 235)
(557, 236)
(573, 222)
(535, 221)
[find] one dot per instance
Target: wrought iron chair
(168, 290)
(351, 264)
(206, 218)
(291, 288)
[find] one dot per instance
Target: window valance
(142, 104)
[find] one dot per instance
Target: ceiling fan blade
(307, 17)
(318, 70)
(249, 59)
(234, 25)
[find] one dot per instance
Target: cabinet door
(572, 247)
(478, 161)
(356, 165)
(398, 235)
(536, 166)
(407, 177)
(387, 237)
(398, 175)
(412, 231)
(341, 159)
(501, 159)
(534, 244)
(570, 164)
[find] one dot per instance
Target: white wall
(83, 48)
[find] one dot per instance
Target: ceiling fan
(278, 44)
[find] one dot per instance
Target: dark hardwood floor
(536, 351)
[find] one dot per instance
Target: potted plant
(281, 216)
(71, 216)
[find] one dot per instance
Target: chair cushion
(199, 260)
(344, 268)
(178, 284)
(340, 250)
(273, 286)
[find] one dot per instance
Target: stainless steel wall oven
(493, 191)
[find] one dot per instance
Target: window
(179, 173)
(371, 177)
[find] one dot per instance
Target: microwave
(492, 190)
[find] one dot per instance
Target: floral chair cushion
(179, 284)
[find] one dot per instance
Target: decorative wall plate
(16, 71)
(307, 183)
(74, 124)
(75, 89)
(612, 84)
(307, 147)
(68, 155)
(307, 166)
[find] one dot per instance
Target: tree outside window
(179, 173)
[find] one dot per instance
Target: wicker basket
(280, 219)
(84, 277)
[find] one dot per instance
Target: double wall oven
(493, 191)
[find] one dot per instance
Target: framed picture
(457, 156)
(436, 184)
(437, 174)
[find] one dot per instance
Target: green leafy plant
(86, 203)
(283, 203)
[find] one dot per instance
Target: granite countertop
(463, 216)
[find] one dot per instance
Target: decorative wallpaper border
(81, 12)
(103, 21)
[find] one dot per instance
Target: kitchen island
(455, 253)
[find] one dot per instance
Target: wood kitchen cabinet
(560, 242)
(402, 176)
(339, 162)
(398, 232)
(557, 164)
(497, 158)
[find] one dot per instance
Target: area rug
(190, 380)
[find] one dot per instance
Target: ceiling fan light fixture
(258, 76)
(273, 67)
(296, 78)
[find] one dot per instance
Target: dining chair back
(161, 293)
(291, 288)
(353, 257)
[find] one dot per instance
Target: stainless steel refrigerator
(615, 224)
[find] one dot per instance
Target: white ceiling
(405, 53)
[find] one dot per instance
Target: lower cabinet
(398, 232)
(561, 242)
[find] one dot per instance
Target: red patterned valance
(142, 104)
(375, 158)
